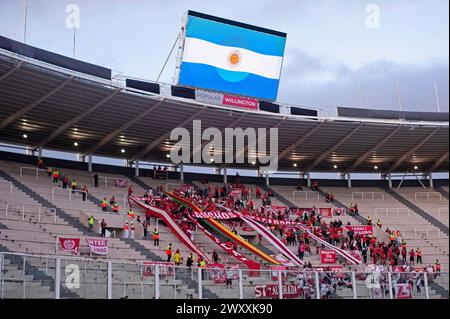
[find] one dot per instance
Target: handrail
(70, 193)
(427, 194)
(9, 206)
(371, 193)
(306, 194)
(106, 178)
(22, 168)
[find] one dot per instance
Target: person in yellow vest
(115, 208)
(379, 225)
(91, 223)
(437, 267)
(392, 237)
(125, 229)
(369, 220)
(202, 266)
(73, 185)
(55, 175)
(104, 204)
(177, 258)
(418, 255)
(130, 213)
(155, 237)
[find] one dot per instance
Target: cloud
(326, 81)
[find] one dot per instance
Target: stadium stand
(274, 232)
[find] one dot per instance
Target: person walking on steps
(91, 223)
(132, 228)
(155, 237)
(103, 225)
(169, 252)
(96, 180)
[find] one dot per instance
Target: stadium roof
(57, 107)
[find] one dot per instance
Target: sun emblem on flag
(234, 58)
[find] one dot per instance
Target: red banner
(240, 102)
(278, 208)
(275, 269)
(361, 230)
(328, 256)
(404, 291)
(339, 211)
(356, 254)
(98, 246)
(271, 291)
(165, 268)
(236, 192)
(248, 262)
(283, 260)
(326, 212)
(70, 245)
(219, 272)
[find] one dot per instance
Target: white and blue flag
(231, 58)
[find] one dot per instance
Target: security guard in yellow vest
(91, 223)
(104, 204)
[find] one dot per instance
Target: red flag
(70, 245)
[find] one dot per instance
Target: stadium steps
(337, 203)
(441, 191)
(181, 275)
(438, 289)
(277, 195)
(139, 182)
(97, 202)
(38, 275)
(45, 203)
(417, 210)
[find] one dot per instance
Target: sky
(332, 45)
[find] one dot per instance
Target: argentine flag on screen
(233, 59)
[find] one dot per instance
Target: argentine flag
(232, 59)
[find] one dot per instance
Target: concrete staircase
(44, 280)
(357, 218)
(441, 191)
(75, 223)
(417, 210)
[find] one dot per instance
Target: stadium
(145, 226)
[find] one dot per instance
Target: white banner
(98, 246)
(208, 97)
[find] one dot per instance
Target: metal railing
(96, 278)
(391, 212)
(368, 195)
(314, 195)
(9, 209)
(428, 195)
(70, 191)
(36, 170)
(108, 178)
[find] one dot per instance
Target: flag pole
(437, 96)
(398, 96)
(25, 23)
(361, 99)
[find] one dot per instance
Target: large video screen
(232, 57)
